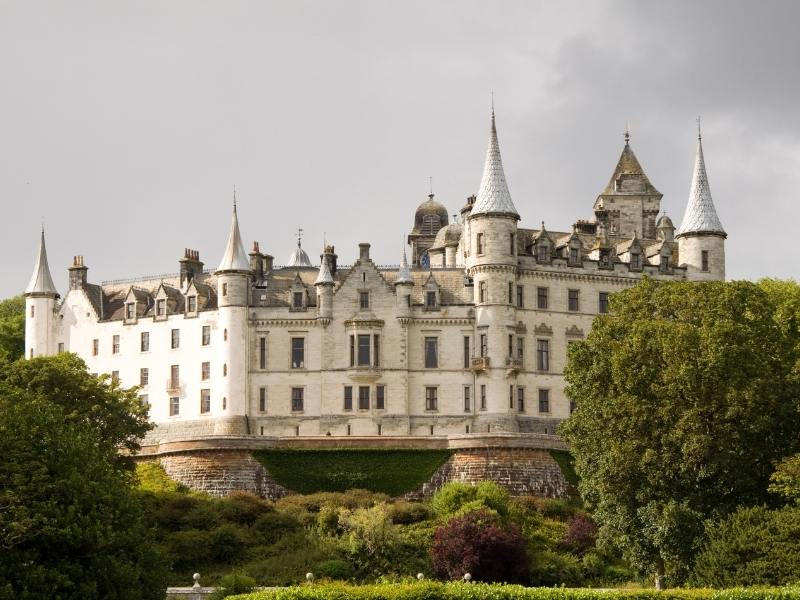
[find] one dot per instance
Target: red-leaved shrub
(581, 533)
(478, 544)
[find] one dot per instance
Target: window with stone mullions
(431, 352)
(363, 350)
(298, 353)
(543, 355)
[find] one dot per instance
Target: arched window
(431, 224)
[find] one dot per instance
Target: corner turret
(40, 303)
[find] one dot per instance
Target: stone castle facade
(468, 339)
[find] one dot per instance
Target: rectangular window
(363, 300)
(262, 352)
(602, 302)
(543, 355)
(430, 299)
(544, 401)
(95, 347)
(521, 399)
(573, 300)
(224, 289)
(144, 377)
(115, 376)
(205, 371)
(298, 353)
(175, 340)
(511, 292)
(352, 350)
(206, 338)
(431, 352)
(704, 259)
(431, 399)
(191, 305)
(467, 398)
(512, 248)
(348, 397)
(376, 342)
(130, 310)
(543, 253)
(510, 345)
(297, 300)
(573, 256)
(541, 298)
(363, 397)
(174, 406)
(145, 341)
(466, 352)
(484, 346)
(205, 401)
(636, 261)
(297, 399)
(262, 399)
(482, 297)
(520, 296)
(511, 396)
(363, 350)
(520, 348)
(483, 397)
(60, 347)
(479, 243)
(380, 397)
(174, 377)
(115, 345)
(161, 307)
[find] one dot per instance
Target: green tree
(118, 415)
(785, 481)
(753, 546)
(686, 396)
(12, 328)
(70, 524)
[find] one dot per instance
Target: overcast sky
(125, 125)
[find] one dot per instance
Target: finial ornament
(492, 103)
(627, 132)
(299, 236)
(430, 186)
(699, 134)
(234, 196)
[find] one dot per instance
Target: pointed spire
(629, 170)
(404, 274)
(234, 258)
(41, 283)
(493, 196)
(700, 215)
(324, 277)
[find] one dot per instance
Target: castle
(468, 339)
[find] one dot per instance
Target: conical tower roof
(628, 168)
(493, 195)
(234, 258)
(324, 276)
(41, 283)
(700, 215)
(404, 274)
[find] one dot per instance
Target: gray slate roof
(493, 196)
(700, 215)
(41, 281)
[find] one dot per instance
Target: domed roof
(431, 216)
(448, 236)
(299, 258)
(665, 221)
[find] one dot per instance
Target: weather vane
(299, 236)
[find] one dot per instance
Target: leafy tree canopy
(687, 394)
(118, 415)
(12, 327)
(785, 481)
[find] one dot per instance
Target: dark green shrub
(272, 526)
(555, 508)
(226, 542)
(334, 569)
(205, 514)
(328, 521)
(188, 549)
(753, 546)
(232, 584)
(405, 513)
(288, 561)
(171, 514)
(244, 508)
(549, 568)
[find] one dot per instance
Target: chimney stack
(363, 252)
(77, 273)
(190, 266)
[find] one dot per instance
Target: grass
(392, 472)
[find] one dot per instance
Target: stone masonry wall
(522, 471)
(222, 472)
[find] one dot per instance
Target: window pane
(541, 297)
(380, 397)
(466, 352)
(573, 300)
(544, 401)
(348, 397)
(377, 350)
(363, 350)
(174, 406)
(363, 299)
(466, 399)
(430, 398)
(205, 401)
(431, 353)
(206, 335)
(297, 399)
(603, 302)
(543, 355)
(262, 399)
(363, 397)
(298, 353)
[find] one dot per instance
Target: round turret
(665, 229)
(430, 217)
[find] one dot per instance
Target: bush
(554, 508)
(226, 542)
(405, 513)
(476, 543)
(233, 583)
(244, 508)
(550, 568)
(581, 534)
(151, 477)
(335, 569)
(457, 497)
(189, 549)
(288, 561)
(753, 546)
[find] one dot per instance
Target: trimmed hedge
(393, 472)
(477, 591)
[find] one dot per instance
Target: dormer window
(130, 311)
(430, 299)
(191, 304)
(542, 253)
(573, 256)
(663, 266)
(297, 300)
(161, 307)
(636, 261)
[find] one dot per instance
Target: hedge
(392, 472)
(477, 591)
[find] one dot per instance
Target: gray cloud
(126, 125)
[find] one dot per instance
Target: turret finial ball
(420, 576)
(309, 576)
(467, 577)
